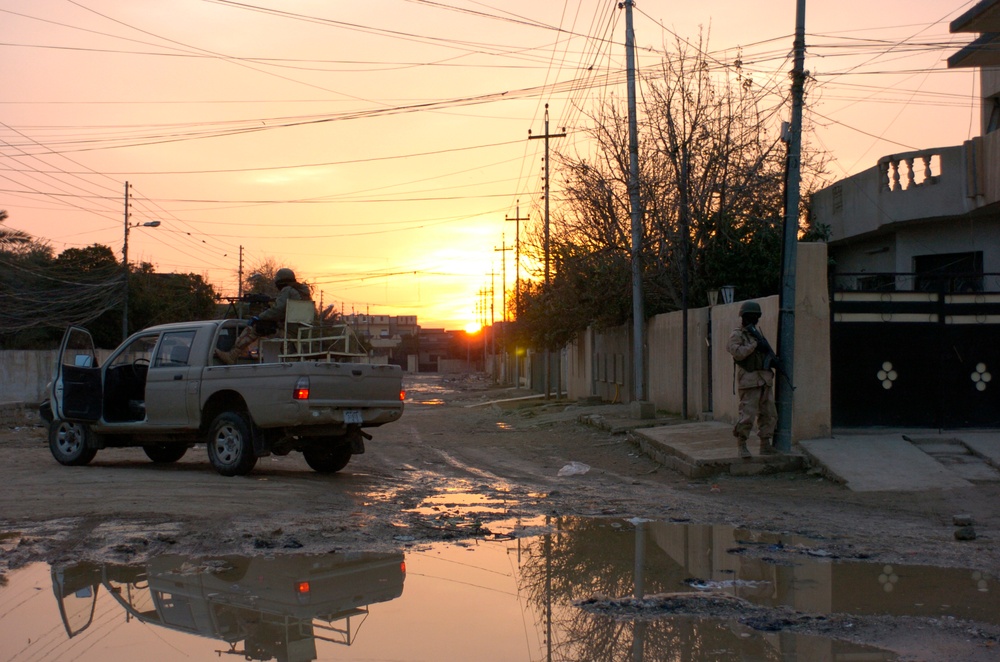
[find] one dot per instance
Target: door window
(174, 349)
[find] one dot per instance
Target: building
(915, 247)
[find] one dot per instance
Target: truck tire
(165, 453)
(230, 446)
(71, 443)
(327, 459)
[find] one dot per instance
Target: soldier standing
(754, 380)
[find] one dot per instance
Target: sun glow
(472, 327)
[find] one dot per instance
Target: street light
(147, 224)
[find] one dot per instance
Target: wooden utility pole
(503, 300)
(546, 136)
(239, 288)
(786, 322)
(125, 263)
(517, 257)
(517, 283)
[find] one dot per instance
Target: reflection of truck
(277, 606)
(163, 390)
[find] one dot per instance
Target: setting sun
(472, 327)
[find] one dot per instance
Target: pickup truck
(163, 389)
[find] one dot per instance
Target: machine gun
(771, 360)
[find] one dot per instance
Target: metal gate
(915, 359)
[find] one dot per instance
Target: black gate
(915, 359)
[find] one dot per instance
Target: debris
(574, 469)
(962, 520)
(965, 533)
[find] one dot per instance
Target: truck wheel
(327, 459)
(230, 446)
(165, 453)
(70, 443)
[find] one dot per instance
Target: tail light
(402, 395)
(302, 588)
(301, 391)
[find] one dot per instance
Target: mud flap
(356, 438)
(263, 440)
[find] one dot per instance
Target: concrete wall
(664, 338)
(24, 374)
(600, 362)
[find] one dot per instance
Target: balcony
(901, 188)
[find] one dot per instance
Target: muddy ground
(123, 508)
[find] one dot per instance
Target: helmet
(750, 308)
(284, 275)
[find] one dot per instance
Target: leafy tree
(41, 295)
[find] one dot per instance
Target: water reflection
(587, 558)
(277, 607)
(520, 598)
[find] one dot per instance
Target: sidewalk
(863, 460)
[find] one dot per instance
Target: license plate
(353, 416)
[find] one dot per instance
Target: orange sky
(376, 147)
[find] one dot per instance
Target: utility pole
(493, 328)
(125, 264)
(517, 257)
(786, 322)
(503, 300)
(517, 283)
(546, 136)
(638, 305)
(239, 288)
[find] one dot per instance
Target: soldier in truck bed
(266, 324)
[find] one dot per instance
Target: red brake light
(402, 567)
(402, 395)
(301, 391)
(302, 588)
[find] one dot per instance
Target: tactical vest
(754, 362)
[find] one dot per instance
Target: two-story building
(915, 248)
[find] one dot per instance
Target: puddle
(430, 402)
(512, 599)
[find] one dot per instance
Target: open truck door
(78, 390)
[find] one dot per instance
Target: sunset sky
(376, 147)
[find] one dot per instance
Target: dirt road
(422, 478)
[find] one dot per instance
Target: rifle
(771, 359)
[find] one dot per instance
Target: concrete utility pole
(546, 136)
(786, 322)
(638, 305)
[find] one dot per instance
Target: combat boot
(767, 446)
(741, 447)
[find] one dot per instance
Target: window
(140, 349)
(174, 349)
(949, 272)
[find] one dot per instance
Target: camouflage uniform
(266, 324)
(755, 388)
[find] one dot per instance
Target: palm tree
(9, 237)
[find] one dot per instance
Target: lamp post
(147, 224)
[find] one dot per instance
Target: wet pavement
(548, 588)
